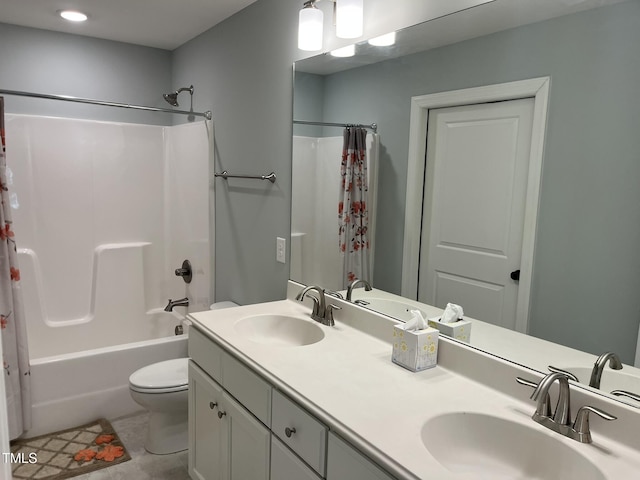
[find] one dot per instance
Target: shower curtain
(353, 213)
(15, 358)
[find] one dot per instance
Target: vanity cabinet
(226, 442)
(207, 434)
(285, 465)
(344, 461)
(241, 428)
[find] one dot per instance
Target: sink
(497, 448)
(393, 308)
(280, 330)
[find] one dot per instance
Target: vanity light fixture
(73, 15)
(310, 27)
(383, 40)
(348, 17)
(348, 51)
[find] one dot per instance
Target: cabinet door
(207, 432)
(249, 443)
(345, 462)
(285, 465)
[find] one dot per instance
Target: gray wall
(587, 265)
(47, 62)
(242, 69)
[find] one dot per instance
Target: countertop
(348, 381)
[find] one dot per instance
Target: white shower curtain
(353, 211)
(15, 358)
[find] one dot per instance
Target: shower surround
(315, 252)
(104, 213)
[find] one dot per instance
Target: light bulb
(383, 40)
(349, 18)
(73, 16)
(348, 51)
(310, 28)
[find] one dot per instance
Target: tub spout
(183, 302)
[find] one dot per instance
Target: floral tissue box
(415, 350)
(460, 330)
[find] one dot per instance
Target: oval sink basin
(495, 448)
(280, 330)
(393, 308)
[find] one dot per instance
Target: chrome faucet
(183, 302)
(321, 311)
(562, 414)
(561, 421)
(598, 367)
(354, 284)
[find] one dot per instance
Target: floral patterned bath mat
(67, 453)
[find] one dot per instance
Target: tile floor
(143, 465)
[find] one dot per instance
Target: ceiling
(165, 24)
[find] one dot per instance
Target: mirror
(585, 278)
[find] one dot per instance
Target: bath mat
(67, 453)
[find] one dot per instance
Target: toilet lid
(162, 375)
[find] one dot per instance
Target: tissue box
(415, 349)
(460, 330)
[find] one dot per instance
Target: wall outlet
(281, 250)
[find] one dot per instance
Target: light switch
(281, 250)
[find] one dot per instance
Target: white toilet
(162, 388)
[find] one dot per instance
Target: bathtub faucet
(183, 302)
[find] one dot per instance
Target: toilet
(162, 389)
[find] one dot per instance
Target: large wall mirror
(584, 288)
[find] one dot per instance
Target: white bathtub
(76, 388)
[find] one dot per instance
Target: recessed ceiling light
(73, 15)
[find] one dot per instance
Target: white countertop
(349, 382)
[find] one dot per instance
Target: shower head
(172, 98)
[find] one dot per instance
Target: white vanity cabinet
(285, 465)
(226, 442)
(241, 428)
(207, 434)
(343, 461)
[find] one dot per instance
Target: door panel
(473, 212)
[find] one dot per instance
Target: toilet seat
(162, 377)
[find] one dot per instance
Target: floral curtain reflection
(15, 358)
(353, 214)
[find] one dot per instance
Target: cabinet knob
(212, 405)
(221, 414)
(289, 431)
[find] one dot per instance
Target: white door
(477, 167)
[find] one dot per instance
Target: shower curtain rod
(373, 126)
(68, 98)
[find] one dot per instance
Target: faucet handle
(581, 425)
(569, 375)
(329, 314)
(546, 410)
(624, 393)
(334, 294)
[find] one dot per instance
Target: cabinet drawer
(247, 387)
(206, 354)
(310, 437)
(286, 466)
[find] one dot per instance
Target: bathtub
(76, 388)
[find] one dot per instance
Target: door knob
(515, 275)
